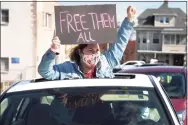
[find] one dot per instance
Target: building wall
(45, 34)
(130, 52)
(173, 48)
(26, 37)
(149, 38)
(17, 40)
(145, 57)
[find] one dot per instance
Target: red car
(174, 81)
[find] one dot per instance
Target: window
(138, 37)
(183, 40)
(164, 20)
(13, 109)
(22, 107)
(4, 105)
(170, 84)
(156, 38)
(172, 39)
(103, 105)
(47, 20)
(4, 16)
(144, 40)
(156, 41)
(177, 39)
(169, 39)
(166, 39)
(47, 100)
(161, 20)
(4, 64)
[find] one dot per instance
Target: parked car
(154, 64)
(128, 64)
(134, 62)
(174, 81)
(119, 101)
(122, 67)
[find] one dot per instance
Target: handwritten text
(84, 24)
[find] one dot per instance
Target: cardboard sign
(87, 24)
(78, 101)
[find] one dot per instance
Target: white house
(26, 32)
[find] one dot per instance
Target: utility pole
(148, 40)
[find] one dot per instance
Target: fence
(5, 85)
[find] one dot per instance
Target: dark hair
(74, 53)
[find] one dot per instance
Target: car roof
(28, 85)
(153, 69)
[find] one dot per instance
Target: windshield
(87, 106)
(173, 83)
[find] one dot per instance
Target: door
(178, 60)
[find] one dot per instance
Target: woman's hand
(55, 47)
(131, 13)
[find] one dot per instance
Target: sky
(121, 6)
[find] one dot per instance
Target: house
(161, 34)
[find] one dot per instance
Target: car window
(173, 83)
(22, 107)
(17, 110)
(89, 106)
(47, 99)
(4, 105)
(11, 108)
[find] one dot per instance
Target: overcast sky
(140, 5)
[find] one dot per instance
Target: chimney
(164, 5)
(166, 2)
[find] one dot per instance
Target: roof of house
(146, 18)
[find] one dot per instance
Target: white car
(127, 99)
(134, 63)
(128, 64)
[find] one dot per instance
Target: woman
(86, 60)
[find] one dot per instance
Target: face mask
(91, 59)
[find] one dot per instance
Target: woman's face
(91, 49)
(90, 55)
